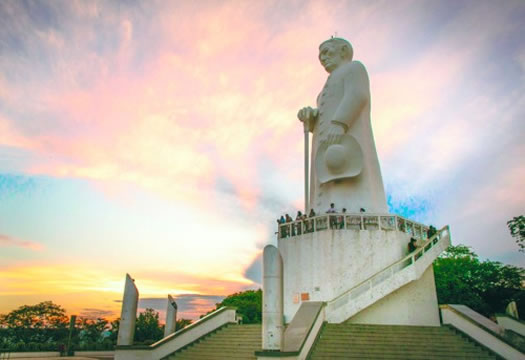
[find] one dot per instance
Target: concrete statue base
(323, 265)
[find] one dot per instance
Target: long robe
(346, 98)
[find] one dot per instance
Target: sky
(160, 138)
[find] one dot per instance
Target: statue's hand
(333, 135)
(307, 114)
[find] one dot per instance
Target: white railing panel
(340, 221)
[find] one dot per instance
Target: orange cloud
(78, 286)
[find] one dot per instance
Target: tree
(34, 327)
(248, 304)
(115, 324)
(44, 315)
(147, 328)
(517, 230)
(92, 330)
(182, 323)
(485, 286)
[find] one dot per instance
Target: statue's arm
(356, 94)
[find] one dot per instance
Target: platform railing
(340, 221)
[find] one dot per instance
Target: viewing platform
(359, 221)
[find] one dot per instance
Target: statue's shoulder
(355, 72)
(354, 68)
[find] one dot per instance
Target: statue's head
(334, 52)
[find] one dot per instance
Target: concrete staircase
(229, 342)
(345, 341)
(359, 341)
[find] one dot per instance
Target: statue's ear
(344, 50)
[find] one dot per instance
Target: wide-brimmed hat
(339, 161)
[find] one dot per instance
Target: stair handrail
(176, 336)
(508, 345)
(191, 326)
(413, 256)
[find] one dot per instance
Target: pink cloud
(181, 102)
(7, 241)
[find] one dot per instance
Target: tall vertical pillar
(128, 316)
(272, 312)
(171, 317)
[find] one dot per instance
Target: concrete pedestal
(322, 265)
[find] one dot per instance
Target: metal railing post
(395, 223)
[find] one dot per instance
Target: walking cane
(306, 166)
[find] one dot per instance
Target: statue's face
(330, 56)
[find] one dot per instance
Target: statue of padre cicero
(345, 167)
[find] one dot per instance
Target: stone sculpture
(345, 167)
(171, 317)
(128, 316)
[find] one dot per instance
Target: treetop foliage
(182, 323)
(44, 315)
(517, 230)
(45, 327)
(248, 304)
(147, 327)
(485, 286)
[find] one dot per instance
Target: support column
(128, 316)
(171, 317)
(272, 312)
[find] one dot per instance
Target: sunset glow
(160, 138)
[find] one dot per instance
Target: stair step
(211, 357)
(367, 352)
(216, 355)
(389, 334)
(211, 352)
(400, 357)
(394, 342)
(390, 340)
(229, 342)
(387, 331)
(399, 349)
